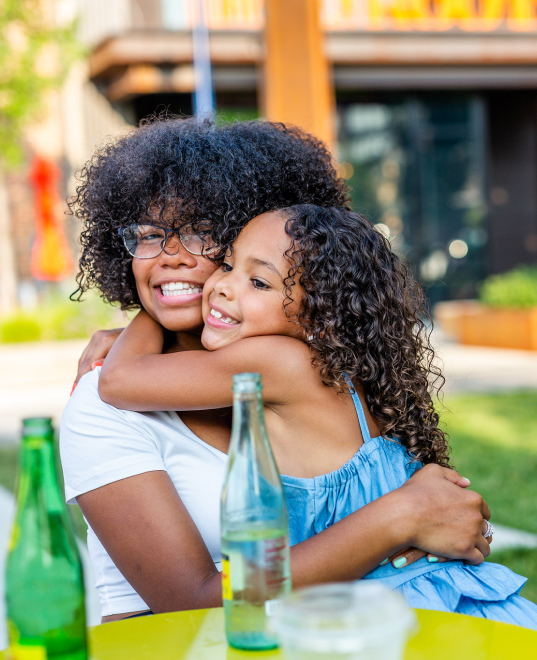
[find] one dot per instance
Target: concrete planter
(475, 324)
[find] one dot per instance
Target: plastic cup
(348, 621)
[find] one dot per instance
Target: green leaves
(516, 289)
(35, 56)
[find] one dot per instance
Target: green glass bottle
(255, 539)
(44, 579)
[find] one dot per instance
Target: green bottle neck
(38, 477)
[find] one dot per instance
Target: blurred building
(436, 104)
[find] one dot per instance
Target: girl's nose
(224, 286)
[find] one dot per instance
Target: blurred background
(430, 108)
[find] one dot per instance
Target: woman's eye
(259, 284)
(151, 237)
(226, 268)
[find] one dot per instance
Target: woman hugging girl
(315, 300)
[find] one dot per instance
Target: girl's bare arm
(136, 376)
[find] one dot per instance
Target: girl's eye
(227, 268)
(259, 284)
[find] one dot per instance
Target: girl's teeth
(225, 319)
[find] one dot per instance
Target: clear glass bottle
(255, 537)
(44, 579)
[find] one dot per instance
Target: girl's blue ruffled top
(489, 590)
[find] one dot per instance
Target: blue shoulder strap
(359, 410)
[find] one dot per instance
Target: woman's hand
(407, 556)
(449, 523)
(96, 351)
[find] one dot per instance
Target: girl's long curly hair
(177, 171)
(364, 314)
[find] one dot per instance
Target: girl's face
(170, 286)
(244, 298)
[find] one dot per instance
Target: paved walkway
(35, 379)
(481, 369)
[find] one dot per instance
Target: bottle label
(27, 652)
(255, 570)
(227, 593)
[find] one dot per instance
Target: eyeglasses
(148, 241)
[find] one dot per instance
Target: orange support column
(297, 85)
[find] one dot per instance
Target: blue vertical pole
(203, 91)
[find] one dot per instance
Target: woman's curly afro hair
(217, 177)
(363, 313)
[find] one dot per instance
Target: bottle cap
(248, 383)
(32, 426)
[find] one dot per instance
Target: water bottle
(44, 580)
(255, 539)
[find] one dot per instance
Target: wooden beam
(297, 85)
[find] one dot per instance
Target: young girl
(315, 300)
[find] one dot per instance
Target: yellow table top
(199, 635)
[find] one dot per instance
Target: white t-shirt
(100, 444)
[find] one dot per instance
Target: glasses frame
(167, 235)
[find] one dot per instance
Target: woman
(149, 484)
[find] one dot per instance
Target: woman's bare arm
(160, 551)
(136, 376)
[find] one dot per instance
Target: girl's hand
(98, 348)
(408, 556)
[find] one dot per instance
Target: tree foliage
(35, 55)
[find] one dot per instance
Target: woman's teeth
(179, 289)
(225, 319)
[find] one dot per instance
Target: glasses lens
(195, 243)
(144, 241)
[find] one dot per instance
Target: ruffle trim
(444, 589)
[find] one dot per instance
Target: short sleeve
(100, 444)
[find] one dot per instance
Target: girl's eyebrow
(266, 264)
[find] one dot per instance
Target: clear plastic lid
(343, 617)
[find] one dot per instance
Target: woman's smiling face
(245, 297)
(170, 286)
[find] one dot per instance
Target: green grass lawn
(494, 444)
(494, 441)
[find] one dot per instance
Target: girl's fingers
(435, 559)
(97, 350)
(406, 556)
